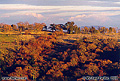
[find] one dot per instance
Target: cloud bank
(83, 12)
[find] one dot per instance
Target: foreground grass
(13, 38)
(7, 40)
(12, 41)
(70, 38)
(31, 32)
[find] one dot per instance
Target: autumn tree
(76, 31)
(70, 27)
(92, 69)
(114, 30)
(38, 26)
(86, 29)
(102, 29)
(26, 25)
(1, 27)
(21, 26)
(19, 72)
(7, 28)
(107, 30)
(45, 28)
(92, 29)
(110, 29)
(52, 27)
(14, 27)
(119, 31)
(30, 27)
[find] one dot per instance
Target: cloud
(91, 20)
(33, 7)
(94, 1)
(117, 3)
(34, 15)
(78, 17)
(4, 16)
(30, 17)
(57, 11)
(63, 11)
(22, 13)
(104, 3)
(14, 18)
(101, 17)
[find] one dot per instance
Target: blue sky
(82, 12)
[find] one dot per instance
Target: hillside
(59, 56)
(43, 55)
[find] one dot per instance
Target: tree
(63, 27)
(114, 30)
(79, 30)
(14, 27)
(19, 72)
(119, 31)
(103, 29)
(38, 26)
(92, 29)
(110, 29)
(26, 24)
(86, 29)
(30, 27)
(7, 28)
(1, 25)
(33, 72)
(75, 29)
(92, 69)
(21, 26)
(70, 27)
(52, 27)
(45, 28)
(107, 30)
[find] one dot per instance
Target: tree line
(71, 28)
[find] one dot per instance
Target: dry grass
(11, 32)
(24, 37)
(72, 37)
(12, 41)
(32, 32)
(40, 32)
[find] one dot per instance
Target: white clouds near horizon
(63, 10)
(81, 11)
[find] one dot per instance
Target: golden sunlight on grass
(72, 37)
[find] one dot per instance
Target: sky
(82, 12)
